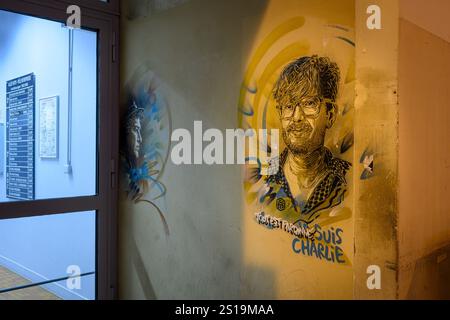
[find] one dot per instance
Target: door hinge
(114, 47)
(113, 174)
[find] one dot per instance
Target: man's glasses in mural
(309, 106)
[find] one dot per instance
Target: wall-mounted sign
(20, 138)
(48, 127)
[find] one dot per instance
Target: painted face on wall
(304, 121)
(134, 137)
(305, 94)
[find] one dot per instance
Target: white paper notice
(48, 127)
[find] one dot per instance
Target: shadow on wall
(431, 277)
(202, 256)
(145, 8)
(141, 272)
(259, 283)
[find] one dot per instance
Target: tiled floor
(9, 279)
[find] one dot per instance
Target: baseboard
(55, 288)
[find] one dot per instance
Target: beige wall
(376, 130)
(197, 49)
(268, 255)
(430, 15)
(200, 50)
(424, 226)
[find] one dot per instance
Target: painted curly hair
(305, 75)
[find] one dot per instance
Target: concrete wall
(398, 214)
(429, 15)
(376, 134)
(197, 50)
(276, 264)
(200, 51)
(424, 224)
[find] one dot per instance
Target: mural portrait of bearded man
(309, 179)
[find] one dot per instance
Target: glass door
(58, 152)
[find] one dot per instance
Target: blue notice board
(20, 138)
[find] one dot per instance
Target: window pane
(40, 249)
(48, 115)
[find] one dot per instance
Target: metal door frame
(102, 17)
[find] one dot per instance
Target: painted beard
(297, 138)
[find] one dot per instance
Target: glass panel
(48, 115)
(33, 293)
(41, 249)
